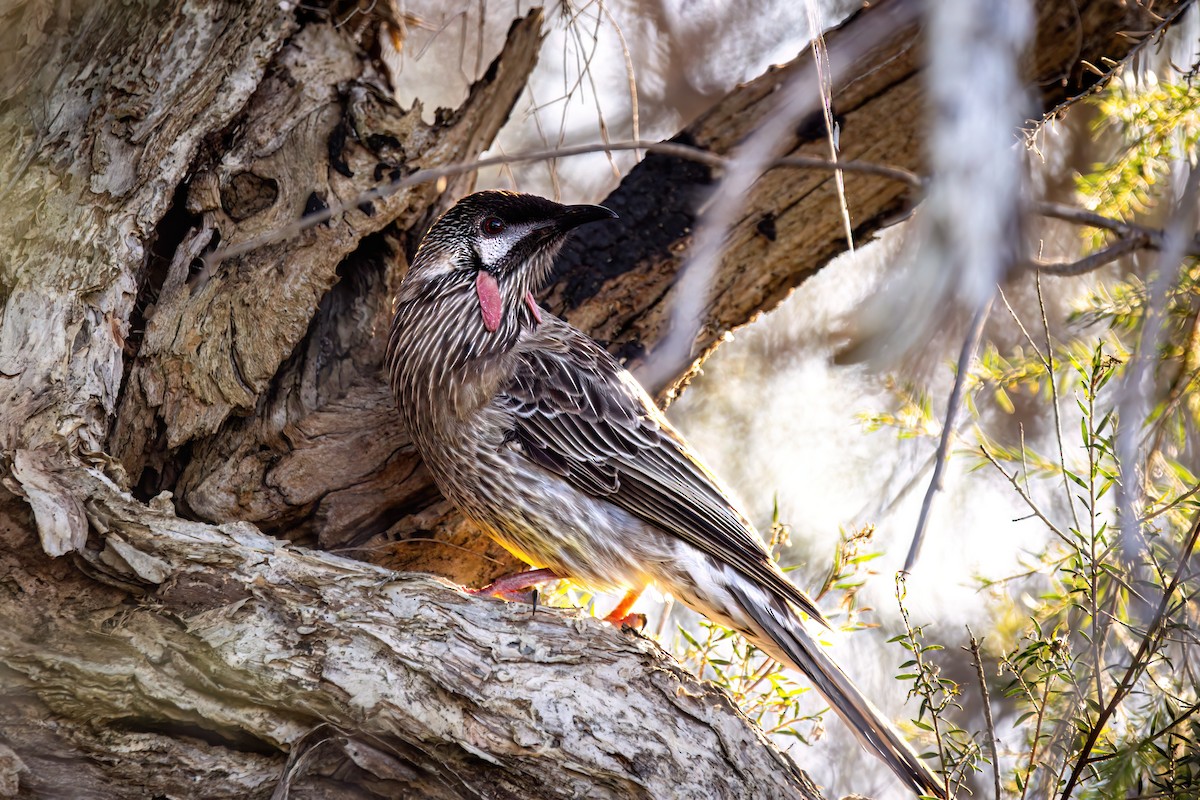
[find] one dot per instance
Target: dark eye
(492, 226)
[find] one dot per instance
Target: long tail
(787, 639)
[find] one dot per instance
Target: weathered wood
(91, 155)
(179, 659)
(214, 341)
(309, 439)
(227, 649)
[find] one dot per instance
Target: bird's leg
(514, 587)
(620, 615)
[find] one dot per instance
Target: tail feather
(786, 638)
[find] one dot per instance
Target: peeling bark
(86, 186)
(224, 648)
(303, 143)
(165, 654)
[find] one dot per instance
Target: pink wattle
(491, 307)
(533, 308)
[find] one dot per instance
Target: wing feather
(580, 417)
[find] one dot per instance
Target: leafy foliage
(1096, 669)
(1157, 124)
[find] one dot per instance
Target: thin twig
(821, 62)
(970, 344)
(451, 170)
(977, 659)
(1145, 740)
(1123, 688)
(1012, 313)
(585, 67)
(1096, 639)
(1170, 505)
(1048, 362)
(1155, 238)
(898, 174)
(1024, 459)
(1094, 261)
(1058, 430)
(1040, 569)
(635, 125)
(1191, 710)
(1028, 501)
(760, 675)
(1152, 236)
(1037, 735)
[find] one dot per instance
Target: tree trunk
(180, 652)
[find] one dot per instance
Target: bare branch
(452, 170)
(255, 640)
(1094, 261)
(970, 345)
(977, 660)
(1154, 238)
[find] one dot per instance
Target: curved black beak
(574, 216)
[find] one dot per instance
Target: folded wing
(581, 416)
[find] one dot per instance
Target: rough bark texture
(223, 647)
(166, 654)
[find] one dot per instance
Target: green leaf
(1071, 476)
(1004, 401)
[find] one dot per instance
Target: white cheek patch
(494, 249)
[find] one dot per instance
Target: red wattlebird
(551, 446)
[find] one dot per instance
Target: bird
(548, 444)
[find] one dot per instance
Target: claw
(635, 621)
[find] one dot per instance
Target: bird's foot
(621, 616)
(520, 587)
(636, 621)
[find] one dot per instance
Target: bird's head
(498, 247)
